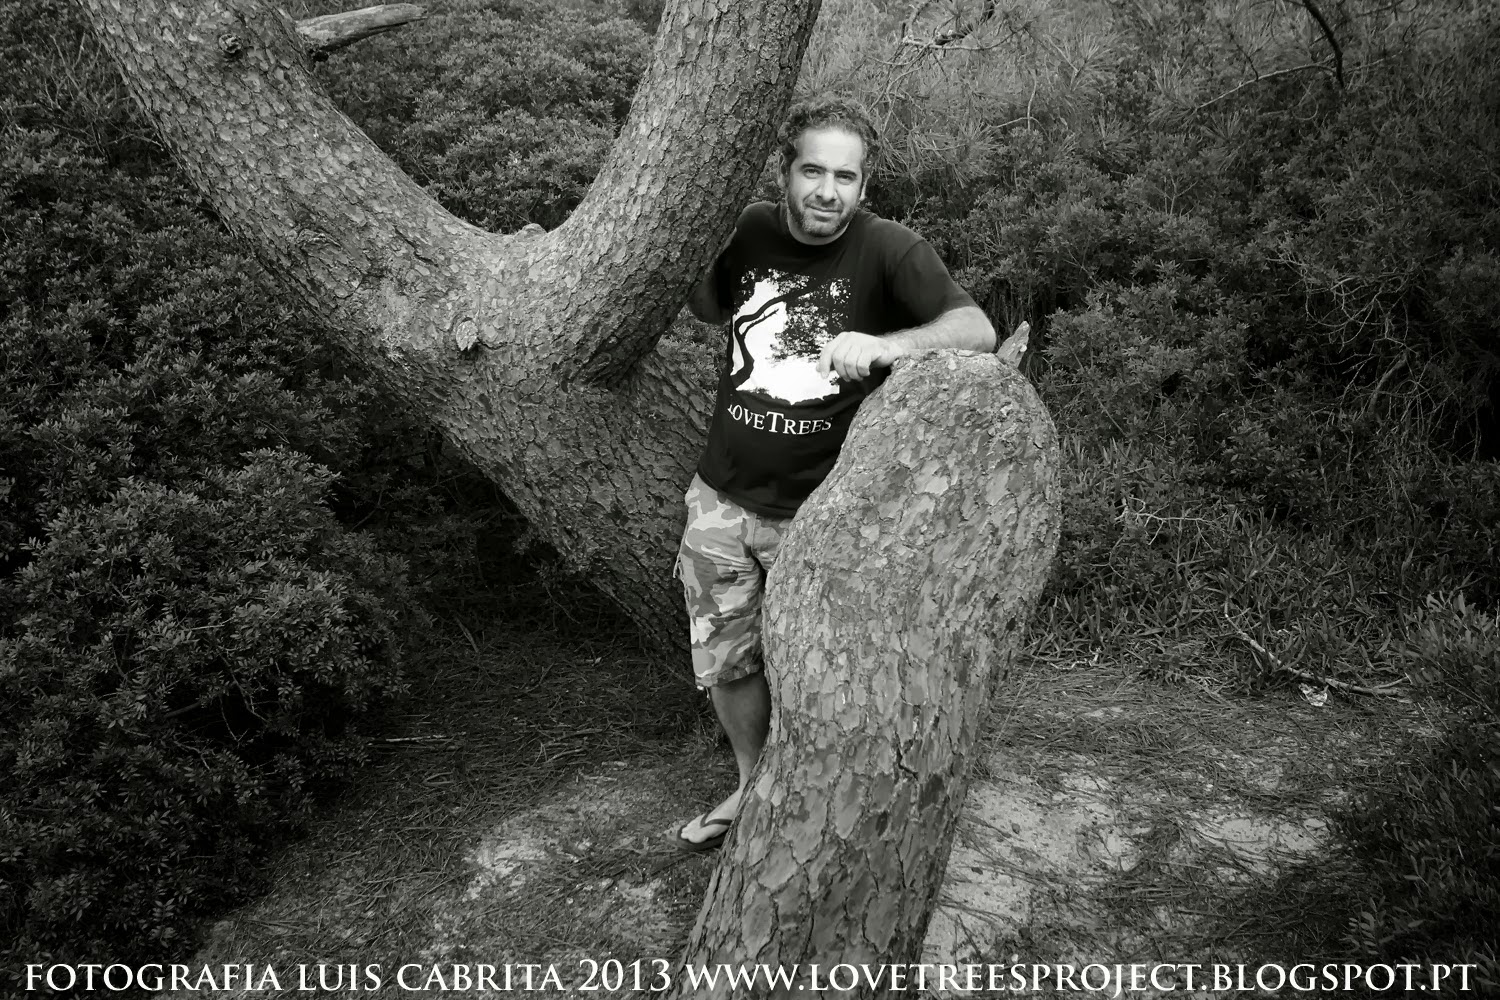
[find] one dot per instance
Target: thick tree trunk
(902, 587)
(894, 608)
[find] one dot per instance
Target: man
(822, 297)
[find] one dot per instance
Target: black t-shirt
(777, 424)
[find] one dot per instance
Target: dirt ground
(1111, 819)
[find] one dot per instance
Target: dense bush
(503, 109)
(181, 673)
(188, 634)
(186, 631)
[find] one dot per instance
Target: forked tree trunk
(535, 356)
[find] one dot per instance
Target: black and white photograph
(721, 499)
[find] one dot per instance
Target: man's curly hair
(823, 112)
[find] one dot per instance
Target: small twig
(1275, 661)
(473, 645)
(1266, 76)
(1384, 379)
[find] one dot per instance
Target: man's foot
(702, 833)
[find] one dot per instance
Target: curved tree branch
(700, 122)
(532, 353)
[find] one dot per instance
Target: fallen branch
(322, 35)
(918, 43)
(1275, 661)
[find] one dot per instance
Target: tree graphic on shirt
(780, 330)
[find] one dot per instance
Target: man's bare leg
(744, 709)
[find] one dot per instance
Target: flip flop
(708, 843)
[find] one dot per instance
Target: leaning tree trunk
(893, 609)
(534, 355)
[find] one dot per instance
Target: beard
(815, 224)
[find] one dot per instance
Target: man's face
(824, 183)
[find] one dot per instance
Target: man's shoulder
(888, 234)
(755, 232)
(756, 217)
(884, 242)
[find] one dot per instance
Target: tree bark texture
(533, 354)
(895, 606)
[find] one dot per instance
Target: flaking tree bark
(898, 597)
(905, 579)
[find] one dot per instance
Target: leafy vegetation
(1265, 306)
(190, 631)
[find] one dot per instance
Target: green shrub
(181, 675)
(188, 636)
(1423, 846)
(187, 633)
(137, 341)
(503, 109)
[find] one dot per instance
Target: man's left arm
(918, 285)
(852, 354)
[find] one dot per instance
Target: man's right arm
(706, 303)
(710, 299)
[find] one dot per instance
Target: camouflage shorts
(725, 555)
